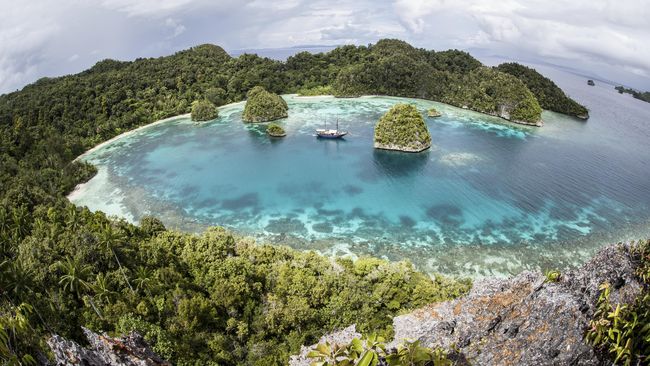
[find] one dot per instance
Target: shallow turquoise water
(488, 198)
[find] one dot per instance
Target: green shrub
(369, 351)
(552, 276)
(317, 90)
(623, 330)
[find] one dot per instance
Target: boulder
(131, 350)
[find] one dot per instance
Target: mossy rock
(204, 110)
(275, 130)
(263, 106)
(402, 128)
(432, 112)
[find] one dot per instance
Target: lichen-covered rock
(263, 106)
(402, 128)
(131, 350)
(523, 320)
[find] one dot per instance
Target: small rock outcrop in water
(131, 350)
(521, 320)
(275, 130)
(263, 106)
(432, 112)
(402, 128)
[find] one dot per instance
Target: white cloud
(147, 7)
(176, 27)
(22, 39)
(613, 32)
(38, 37)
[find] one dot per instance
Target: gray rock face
(131, 350)
(522, 320)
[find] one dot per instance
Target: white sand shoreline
(128, 133)
(79, 188)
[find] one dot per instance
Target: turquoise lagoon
(489, 197)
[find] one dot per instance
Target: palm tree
(16, 279)
(110, 239)
(74, 276)
(143, 279)
(102, 287)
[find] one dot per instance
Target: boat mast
(337, 125)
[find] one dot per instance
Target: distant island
(644, 96)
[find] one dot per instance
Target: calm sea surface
(489, 198)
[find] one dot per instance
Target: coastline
(130, 132)
(125, 134)
(539, 123)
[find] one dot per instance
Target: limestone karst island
(391, 183)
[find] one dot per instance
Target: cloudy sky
(608, 38)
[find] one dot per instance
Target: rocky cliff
(131, 350)
(522, 320)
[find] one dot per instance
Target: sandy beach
(128, 133)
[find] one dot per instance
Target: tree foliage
(204, 110)
(263, 106)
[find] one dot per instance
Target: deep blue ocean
(489, 197)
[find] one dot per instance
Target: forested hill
(197, 298)
(549, 95)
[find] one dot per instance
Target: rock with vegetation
(528, 319)
(204, 110)
(402, 128)
(275, 130)
(644, 96)
(103, 350)
(536, 319)
(432, 112)
(549, 95)
(263, 106)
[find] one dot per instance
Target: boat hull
(331, 137)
